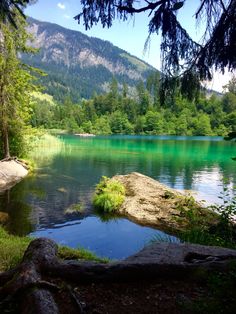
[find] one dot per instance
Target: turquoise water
(70, 167)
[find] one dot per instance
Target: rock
(149, 202)
(181, 254)
(11, 172)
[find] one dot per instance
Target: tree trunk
(5, 141)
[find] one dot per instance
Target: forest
(116, 112)
(62, 202)
(25, 110)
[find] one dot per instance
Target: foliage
(117, 113)
(182, 57)
(9, 9)
(109, 195)
(16, 83)
(217, 228)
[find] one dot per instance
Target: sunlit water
(70, 167)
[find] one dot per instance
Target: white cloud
(66, 16)
(61, 6)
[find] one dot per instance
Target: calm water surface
(70, 166)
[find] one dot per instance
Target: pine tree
(16, 81)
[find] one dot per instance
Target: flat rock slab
(149, 202)
(181, 254)
(11, 172)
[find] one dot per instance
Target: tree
(9, 9)
(120, 124)
(16, 81)
(203, 126)
(154, 123)
(229, 104)
(182, 57)
(143, 99)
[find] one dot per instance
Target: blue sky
(130, 35)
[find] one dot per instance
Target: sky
(130, 35)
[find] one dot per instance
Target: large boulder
(149, 202)
(11, 172)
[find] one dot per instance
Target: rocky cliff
(78, 64)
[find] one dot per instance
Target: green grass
(109, 195)
(213, 225)
(79, 254)
(205, 237)
(12, 249)
(138, 63)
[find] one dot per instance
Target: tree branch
(151, 6)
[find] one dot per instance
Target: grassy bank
(13, 247)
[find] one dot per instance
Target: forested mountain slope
(80, 65)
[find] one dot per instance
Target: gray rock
(149, 202)
(11, 172)
(181, 253)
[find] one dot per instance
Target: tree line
(119, 111)
(116, 112)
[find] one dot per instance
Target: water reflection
(115, 239)
(70, 167)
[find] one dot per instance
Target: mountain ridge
(81, 65)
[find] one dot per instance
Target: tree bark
(5, 140)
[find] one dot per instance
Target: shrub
(211, 231)
(109, 195)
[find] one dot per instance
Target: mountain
(79, 65)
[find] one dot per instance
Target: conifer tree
(16, 81)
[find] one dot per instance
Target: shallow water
(70, 167)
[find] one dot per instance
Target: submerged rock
(149, 202)
(11, 172)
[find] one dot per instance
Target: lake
(69, 167)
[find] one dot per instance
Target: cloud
(66, 16)
(61, 6)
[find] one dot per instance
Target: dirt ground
(171, 297)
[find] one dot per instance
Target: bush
(109, 195)
(210, 231)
